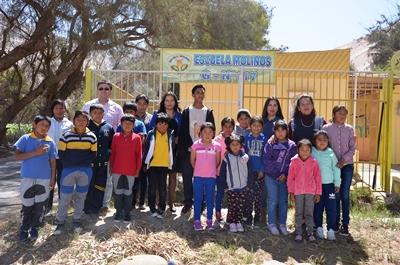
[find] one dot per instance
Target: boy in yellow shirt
(159, 142)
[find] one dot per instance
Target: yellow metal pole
(389, 133)
(88, 84)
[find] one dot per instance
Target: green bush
(15, 131)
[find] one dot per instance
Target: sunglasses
(105, 88)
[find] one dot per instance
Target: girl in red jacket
(305, 187)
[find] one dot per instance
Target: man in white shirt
(112, 114)
(112, 111)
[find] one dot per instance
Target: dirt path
(10, 203)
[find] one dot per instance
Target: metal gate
(366, 95)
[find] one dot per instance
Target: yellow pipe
(389, 133)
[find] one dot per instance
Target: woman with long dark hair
(169, 104)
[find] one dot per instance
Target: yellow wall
(223, 98)
(396, 126)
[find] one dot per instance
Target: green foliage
(210, 24)
(201, 24)
(385, 40)
(360, 195)
(316, 259)
(15, 131)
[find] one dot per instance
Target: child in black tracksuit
(104, 133)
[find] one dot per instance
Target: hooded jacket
(276, 158)
(236, 171)
(304, 176)
(327, 163)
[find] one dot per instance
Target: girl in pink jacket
(304, 187)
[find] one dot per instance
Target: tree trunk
(3, 132)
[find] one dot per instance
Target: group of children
(315, 173)
(248, 162)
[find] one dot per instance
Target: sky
(314, 25)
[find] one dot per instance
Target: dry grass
(375, 239)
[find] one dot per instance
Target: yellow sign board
(217, 65)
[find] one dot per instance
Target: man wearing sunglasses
(112, 111)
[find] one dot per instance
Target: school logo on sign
(179, 63)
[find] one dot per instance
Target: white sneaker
(331, 235)
(320, 232)
(232, 228)
(239, 227)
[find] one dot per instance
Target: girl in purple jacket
(276, 160)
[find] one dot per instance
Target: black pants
(140, 183)
(97, 186)
(157, 180)
(59, 168)
(187, 175)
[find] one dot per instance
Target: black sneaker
(344, 230)
(153, 212)
(94, 217)
(118, 217)
(172, 208)
(186, 209)
(337, 228)
(77, 224)
(59, 229)
(34, 233)
(249, 221)
(127, 218)
(256, 223)
(23, 237)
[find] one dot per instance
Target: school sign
(217, 65)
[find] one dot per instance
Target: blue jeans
(187, 176)
(203, 186)
(277, 197)
(219, 195)
(346, 173)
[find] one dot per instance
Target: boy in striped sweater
(77, 149)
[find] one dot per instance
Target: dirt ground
(174, 237)
(372, 241)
